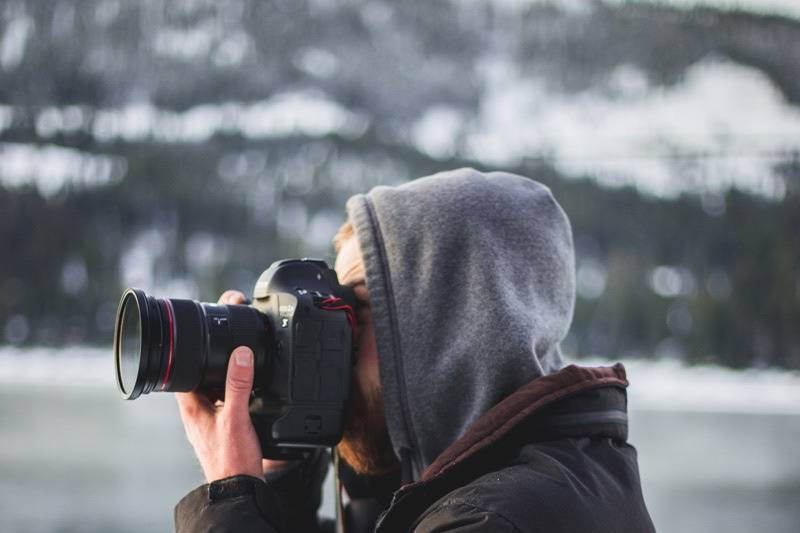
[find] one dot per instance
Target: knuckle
(190, 411)
(224, 297)
(239, 383)
(231, 297)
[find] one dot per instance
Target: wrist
(232, 471)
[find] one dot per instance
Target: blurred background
(182, 146)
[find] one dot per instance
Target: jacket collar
(573, 402)
(526, 401)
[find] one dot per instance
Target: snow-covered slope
(726, 125)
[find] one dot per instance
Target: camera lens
(176, 345)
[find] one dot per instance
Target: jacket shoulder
(462, 517)
(587, 485)
(497, 501)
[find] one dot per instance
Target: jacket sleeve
(285, 501)
(241, 503)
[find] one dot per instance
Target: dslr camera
(300, 326)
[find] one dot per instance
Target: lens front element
(130, 344)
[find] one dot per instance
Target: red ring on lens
(168, 306)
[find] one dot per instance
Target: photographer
(460, 404)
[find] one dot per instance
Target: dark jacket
(472, 287)
(552, 457)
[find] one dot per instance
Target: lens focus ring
(246, 326)
(189, 349)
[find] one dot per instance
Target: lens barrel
(177, 345)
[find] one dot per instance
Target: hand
(221, 433)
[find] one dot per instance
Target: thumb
(239, 382)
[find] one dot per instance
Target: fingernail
(243, 357)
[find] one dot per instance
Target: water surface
(76, 458)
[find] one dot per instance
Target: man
(466, 288)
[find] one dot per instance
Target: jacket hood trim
(503, 417)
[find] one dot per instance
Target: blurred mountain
(183, 146)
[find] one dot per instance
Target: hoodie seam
(395, 328)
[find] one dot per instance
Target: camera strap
(338, 493)
(334, 303)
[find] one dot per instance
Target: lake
(718, 449)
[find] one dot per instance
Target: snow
(185, 43)
(140, 265)
(676, 387)
(438, 130)
(70, 367)
(51, 168)
(14, 41)
(655, 385)
(309, 113)
(6, 117)
(670, 385)
(783, 8)
(317, 62)
(725, 125)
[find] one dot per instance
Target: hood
(472, 287)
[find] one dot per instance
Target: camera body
(301, 397)
(300, 326)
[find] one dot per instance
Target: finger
(232, 297)
(239, 382)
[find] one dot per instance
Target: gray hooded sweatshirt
(471, 284)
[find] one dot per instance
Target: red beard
(365, 444)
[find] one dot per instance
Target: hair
(355, 274)
(346, 231)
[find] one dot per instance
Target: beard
(365, 444)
